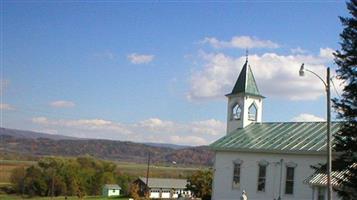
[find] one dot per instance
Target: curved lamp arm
(302, 70)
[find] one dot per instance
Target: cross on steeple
(246, 55)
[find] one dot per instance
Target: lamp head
(301, 71)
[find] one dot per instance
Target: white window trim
(232, 111)
(262, 163)
(256, 112)
(291, 165)
(238, 162)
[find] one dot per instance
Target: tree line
(53, 176)
(85, 176)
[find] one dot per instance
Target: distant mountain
(173, 146)
(40, 144)
(33, 135)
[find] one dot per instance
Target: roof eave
(266, 151)
(245, 94)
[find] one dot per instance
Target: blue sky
(158, 72)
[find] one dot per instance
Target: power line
(335, 89)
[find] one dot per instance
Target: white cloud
(5, 106)
(140, 58)
(211, 127)
(276, 76)
(305, 117)
(149, 130)
(241, 42)
(83, 124)
(298, 50)
(62, 104)
(154, 123)
(48, 131)
(187, 140)
(327, 53)
(40, 120)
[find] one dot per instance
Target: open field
(156, 170)
(133, 169)
(6, 167)
(14, 197)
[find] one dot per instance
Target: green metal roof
(278, 137)
(246, 82)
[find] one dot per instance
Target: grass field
(13, 197)
(156, 170)
(6, 167)
(136, 170)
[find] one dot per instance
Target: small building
(110, 190)
(163, 188)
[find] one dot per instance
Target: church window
(252, 112)
(236, 173)
(320, 193)
(289, 182)
(236, 112)
(262, 176)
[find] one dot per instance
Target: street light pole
(328, 124)
(329, 152)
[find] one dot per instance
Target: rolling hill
(41, 144)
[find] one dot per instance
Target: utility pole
(53, 183)
(328, 124)
(329, 162)
(23, 182)
(281, 177)
(147, 173)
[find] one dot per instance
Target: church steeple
(245, 83)
(245, 101)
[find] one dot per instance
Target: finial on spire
(246, 55)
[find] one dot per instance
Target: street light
(328, 104)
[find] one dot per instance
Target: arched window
(252, 112)
(236, 112)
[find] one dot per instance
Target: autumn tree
(69, 177)
(134, 191)
(124, 180)
(35, 182)
(200, 184)
(17, 179)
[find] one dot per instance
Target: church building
(267, 160)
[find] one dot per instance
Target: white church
(267, 160)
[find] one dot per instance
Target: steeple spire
(245, 103)
(245, 83)
(246, 55)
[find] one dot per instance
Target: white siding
(165, 194)
(111, 192)
(155, 194)
(315, 193)
(222, 184)
(244, 102)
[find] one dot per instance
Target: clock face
(237, 112)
